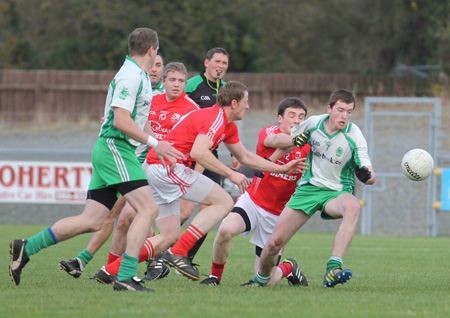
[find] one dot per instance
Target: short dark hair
(232, 90)
(162, 58)
(210, 53)
(343, 95)
(291, 102)
(174, 66)
(140, 41)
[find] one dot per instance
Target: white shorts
(262, 222)
(168, 187)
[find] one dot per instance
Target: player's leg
(76, 266)
(168, 224)
(289, 222)
(347, 207)
(216, 178)
(119, 238)
(141, 199)
(233, 225)
(90, 220)
(219, 204)
(186, 209)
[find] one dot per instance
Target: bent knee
(225, 233)
(353, 209)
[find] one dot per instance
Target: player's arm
(281, 141)
(254, 161)
(202, 155)
(124, 122)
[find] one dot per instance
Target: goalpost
(395, 205)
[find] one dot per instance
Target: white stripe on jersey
(216, 125)
(120, 164)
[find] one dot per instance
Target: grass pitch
(392, 277)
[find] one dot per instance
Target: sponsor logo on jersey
(329, 159)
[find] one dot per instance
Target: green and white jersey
(332, 158)
(159, 89)
(130, 89)
(142, 149)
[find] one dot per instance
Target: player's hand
(363, 174)
(166, 150)
(240, 180)
(235, 164)
(299, 166)
(301, 139)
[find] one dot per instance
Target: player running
(338, 151)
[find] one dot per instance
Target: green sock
(261, 279)
(334, 261)
(128, 267)
(40, 241)
(85, 256)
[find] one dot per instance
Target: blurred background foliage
(322, 36)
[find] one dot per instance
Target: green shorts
(114, 161)
(311, 199)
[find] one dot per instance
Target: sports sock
(334, 261)
(40, 241)
(286, 267)
(217, 270)
(128, 267)
(112, 257)
(187, 241)
(146, 253)
(85, 257)
(261, 279)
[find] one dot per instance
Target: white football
(417, 164)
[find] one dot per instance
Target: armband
(152, 142)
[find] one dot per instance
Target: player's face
(340, 115)
(156, 71)
(292, 116)
(241, 107)
(216, 67)
(174, 84)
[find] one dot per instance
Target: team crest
(124, 93)
(339, 152)
(188, 171)
(175, 118)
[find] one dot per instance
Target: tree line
(323, 36)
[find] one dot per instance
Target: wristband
(152, 142)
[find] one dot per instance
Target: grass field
(393, 277)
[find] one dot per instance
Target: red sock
(286, 268)
(113, 267)
(187, 241)
(146, 253)
(217, 270)
(112, 257)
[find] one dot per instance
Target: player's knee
(275, 243)
(225, 232)
(353, 209)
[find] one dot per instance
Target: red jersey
(164, 115)
(273, 191)
(212, 122)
